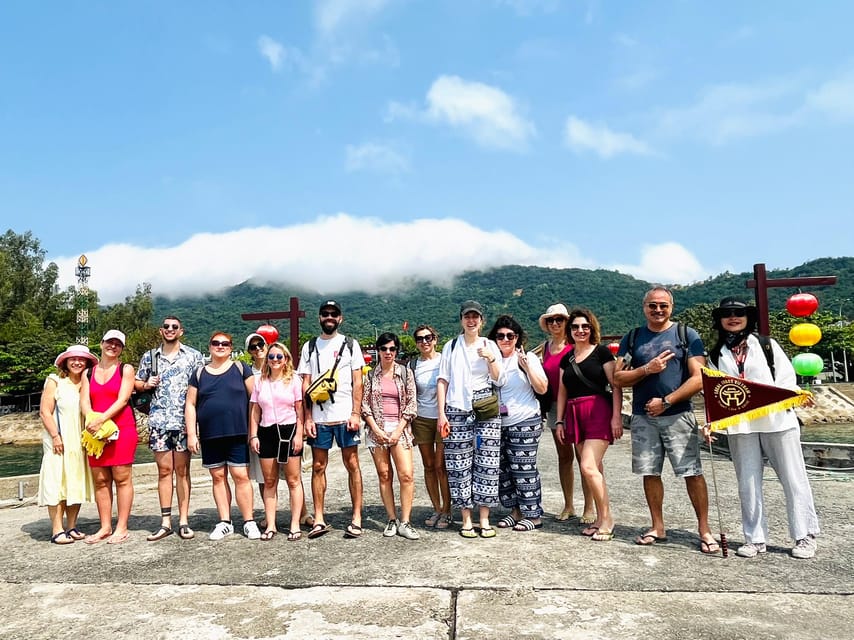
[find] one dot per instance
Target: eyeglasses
(555, 320)
(255, 346)
(329, 314)
(652, 306)
(276, 356)
(505, 336)
(734, 313)
(220, 343)
(580, 327)
(173, 327)
(428, 338)
(391, 349)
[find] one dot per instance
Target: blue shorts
(163, 441)
(326, 432)
(230, 450)
(676, 436)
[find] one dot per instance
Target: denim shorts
(339, 432)
(230, 450)
(676, 435)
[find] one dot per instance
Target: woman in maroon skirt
(588, 411)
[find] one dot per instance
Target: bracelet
(559, 422)
(254, 438)
(646, 369)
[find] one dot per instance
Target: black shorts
(277, 441)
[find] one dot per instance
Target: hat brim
(62, 357)
(543, 318)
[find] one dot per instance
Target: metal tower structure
(81, 301)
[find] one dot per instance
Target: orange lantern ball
(805, 334)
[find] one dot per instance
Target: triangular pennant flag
(730, 400)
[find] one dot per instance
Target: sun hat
(734, 302)
(557, 309)
(115, 334)
(76, 351)
(254, 335)
(470, 305)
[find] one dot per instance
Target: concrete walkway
(551, 583)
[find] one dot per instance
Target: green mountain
(524, 292)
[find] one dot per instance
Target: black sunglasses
(168, 326)
(276, 356)
(733, 313)
(220, 343)
(329, 314)
(580, 327)
(505, 336)
(428, 338)
(256, 345)
(391, 349)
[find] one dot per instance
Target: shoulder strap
(413, 364)
(768, 350)
(154, 361)
(682, 334)
(633, 335)
(584, 379)
(454, 343)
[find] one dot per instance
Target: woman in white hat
(106, 391)
(554, 323)
(65, 480)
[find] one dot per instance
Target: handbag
(141, 400)
(486, 408)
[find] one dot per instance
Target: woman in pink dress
(106, 391)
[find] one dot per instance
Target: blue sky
(343, 143)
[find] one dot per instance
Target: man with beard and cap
(663, 363)
(338, 418)
(167, 370)
(741, 353)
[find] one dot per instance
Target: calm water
(18, 460)
(21, 460)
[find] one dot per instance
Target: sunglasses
(734, 313)
(391, 349)
(652, 306)
(505, 336)
(329, 314)
(173, 327)
(255, 346)
(428, 338)
(276, 356)
(580, 327)
(220, 343)
(556, 320)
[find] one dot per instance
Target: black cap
(330, 303)
(733, 302)
(470, 305)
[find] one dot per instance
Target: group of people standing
(476, 411)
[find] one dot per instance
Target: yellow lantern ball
(805, 334)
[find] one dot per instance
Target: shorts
(589, 418)
(163, 441)
(425, 431)
(339, 432)
(277, 441)
(676, 435)
(230, 450)
(551, 416)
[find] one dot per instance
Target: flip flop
(75, 534)
(353, 531)
(94, 539)
(709, 547)
(319, 529)
(66, 540)
(487, 532)
(185, 533)
(589, 531)
(526, 524)
(603, 535)
(565, 515)
(588, 519)
(433, 519)
(161, 533)
(649, 538)
(293, 536)
(468, 533)
(114, 539)
(269, 534)
(507, 522)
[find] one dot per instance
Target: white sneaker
(407, 531)
(221, 530)
(805, 548)
(751, 549)
(251, 531)
(390, 529)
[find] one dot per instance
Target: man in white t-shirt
(338, 418)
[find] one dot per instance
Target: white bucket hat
(557, 309)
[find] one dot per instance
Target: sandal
(118, 539)
(95, 538)
(293, 536)
(185, 533)
(487, 532)
(589, 531)
(507, 522)
(319, 529)
(353, 531)
(565, 515)
(649, 538)
(603, 535)
(269, 534)
(66, 538)
(445, 521)
(588, 519)
(307, 521)
(75, 534)
(468, 532)
(433, 520)
(161, 533)
(709, 547)
(526, 524)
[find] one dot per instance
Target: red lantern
(268, 332)
(613, 347)
(802, 305)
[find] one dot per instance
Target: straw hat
(557, 309)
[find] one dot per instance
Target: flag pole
(724, 545)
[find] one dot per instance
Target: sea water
(18, 460)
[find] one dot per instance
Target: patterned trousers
(472, 451)
(519, 480)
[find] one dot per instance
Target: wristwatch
(665, 404)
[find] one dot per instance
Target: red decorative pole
(761, 283)
(293, 314)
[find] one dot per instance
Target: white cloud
(377, 157)
(834, 97)
(333, 15)
(485, 113)
(529, 7)
(209, 262)
(582, 136)
(272, 50)
(667, 263)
